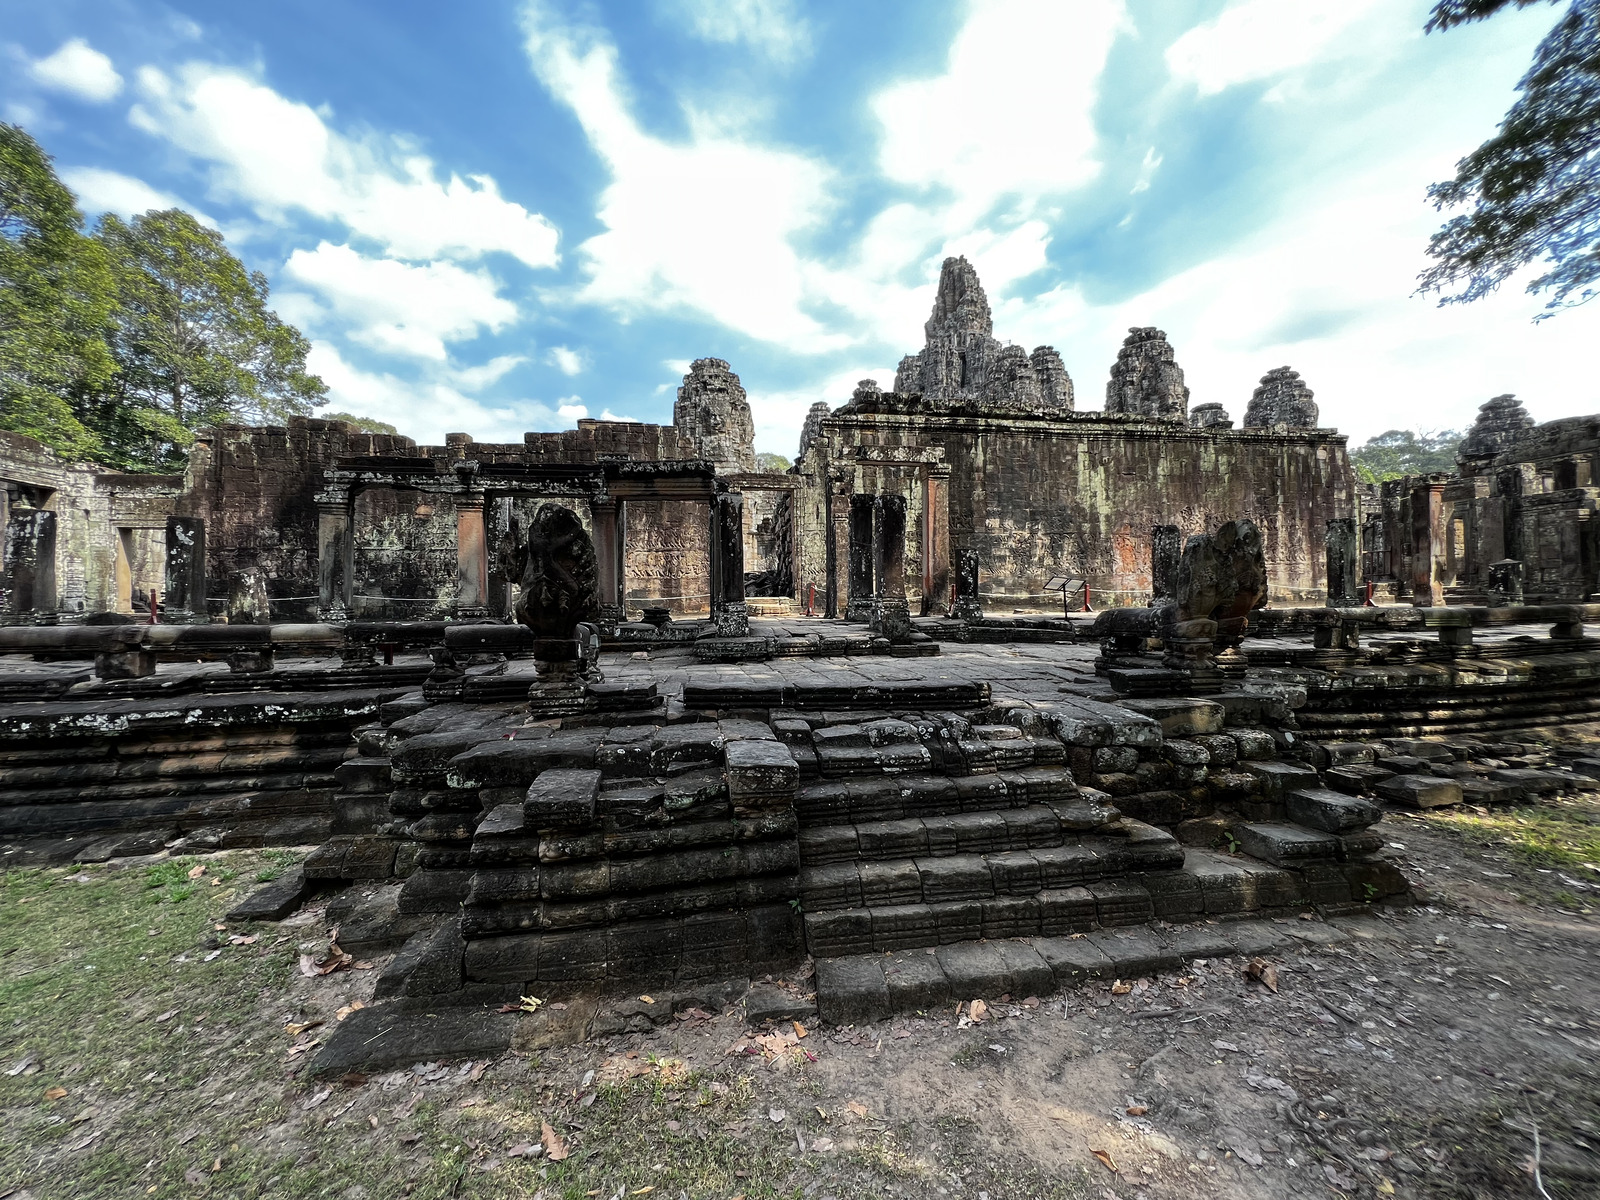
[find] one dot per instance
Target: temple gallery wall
(981, 442)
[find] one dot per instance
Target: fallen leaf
(1228, 1046)
(1137, 1110)
(346, 1010)
(472, 1102)
(799, 1030)
(213, 956)
(1105, 1160)
(477, 1071)
(26, 1061)
(1261, 970)
(1385, 1188)
(240, 939)
(197, 870)
(822, 1143)
(166, 1016)
(1120, 989)
(302, 1047)
(525, 1150)
(319, 1098)
(642, 1191)
(647, 1000)
(775, 1115)
(372, 1119)
(552, 1142)
(856, 1109)
(296, 1030)
(530, 1004)
(216, 1166)
(54, 1093)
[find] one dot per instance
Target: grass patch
(160, 1067)
(1560, 833)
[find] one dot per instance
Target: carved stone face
(1222, 577)
(559, 574)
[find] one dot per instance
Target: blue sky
(502, 217)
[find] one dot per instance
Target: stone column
(29, 576)
(497, 524)
(858, 606)
(968, 605)
(604, 516)
(729, 613)
(1166, 549)
(472, 557)
(838, 555)
(936, 542)
(335, 556)
(891, 617)
(1427, 539)
(186, 571)
(1344, 563)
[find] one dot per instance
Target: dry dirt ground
(1411, 1052)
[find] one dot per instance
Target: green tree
(194, 340)
(365, 424)
(767, 461)
(56, 297)
(1533, 188)
(1400, 452)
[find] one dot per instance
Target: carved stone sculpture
(713, 410)
(559, 574)
(1499, 422)
(1222, 577)
(1146, 380)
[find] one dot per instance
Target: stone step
(1033, 826)
(892, 798)
(855, 990)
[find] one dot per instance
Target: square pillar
(186, 570)
(1428, 549)
(335, 557)
(728, 611)
(1166, 550)
(891, 617)
(936, 542)
(605, 518)
(859, 593)
(472, 557)
(1344, 563)
(968, 606)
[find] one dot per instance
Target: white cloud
(100, 190)
(399, 307)
(1147, 171)
(278, 155)
(771, 28)
(425, 410)
(1261, 39)
(607, 415)
(569, 408)
(567, 361)
(706, 224)
(1013, 111)
(80, 70)
(475, 379)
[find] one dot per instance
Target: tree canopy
(768, 461)
(365, 424)
(1400, 452)
(116, 347)
(1534, 188)
(56, 297)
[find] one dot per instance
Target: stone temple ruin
(612, 710)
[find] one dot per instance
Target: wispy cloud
(280, 156)
(566, 360)
(771, 28)
(78, 70)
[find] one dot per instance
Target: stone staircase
(958, 850)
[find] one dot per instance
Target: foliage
(195, 340)
(1533, 188)
(365, 424)
(766, 461)
(116, 348)
(55, 299)
(1400, 452)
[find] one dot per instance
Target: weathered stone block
(1180, 718)
(562, 798)
(975, 970)
(1319, 808)
(760, 771)
(1283, 845)
(1066, 910)
(1121, 902)
(916, 981)
(852, 991)
(1420, 791)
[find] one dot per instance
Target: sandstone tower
(713, 411)
(1146, 380)
(963, 361)
(1282, 398)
